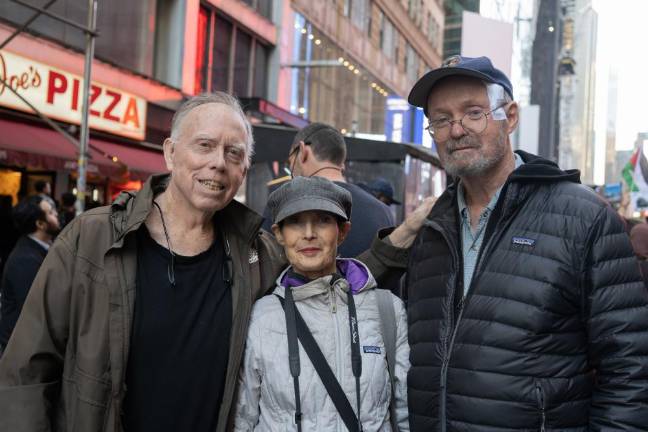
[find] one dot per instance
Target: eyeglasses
(474, 121)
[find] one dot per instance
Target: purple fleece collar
(355, 273)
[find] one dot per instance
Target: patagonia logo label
(371, 349)
(523, 241)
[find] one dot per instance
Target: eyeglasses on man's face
(474, 121)
(292, 159)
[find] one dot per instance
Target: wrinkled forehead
(212, 119)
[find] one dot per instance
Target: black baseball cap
(476, 67)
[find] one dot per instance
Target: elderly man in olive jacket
(138, 316)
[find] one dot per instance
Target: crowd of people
(522, 305)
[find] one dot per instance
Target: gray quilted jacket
(266, 400)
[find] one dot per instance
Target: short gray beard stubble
(483, 164)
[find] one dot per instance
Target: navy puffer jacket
(553, 334)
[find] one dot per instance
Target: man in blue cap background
(382, 189)
(526, 308)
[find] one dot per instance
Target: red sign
(57, 94)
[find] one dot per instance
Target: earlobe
(277, 233)
(303, 152)
(344, 231)
(169, 148)
(513, 117)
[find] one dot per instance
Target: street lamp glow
(317, 41)
(341, 59)
(343, 131)
(346, 63)
(551, 29)
(303, 31)
(301, 110)
(311, 37)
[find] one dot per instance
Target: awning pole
(85, 130)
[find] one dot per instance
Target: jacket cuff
(385, 251)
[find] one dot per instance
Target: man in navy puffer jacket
(526, 308)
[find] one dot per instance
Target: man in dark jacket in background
(526, 307)
(37, 222)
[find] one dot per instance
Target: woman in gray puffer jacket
(310, 218)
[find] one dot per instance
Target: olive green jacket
(64, 367)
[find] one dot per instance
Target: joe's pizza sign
(58, 95)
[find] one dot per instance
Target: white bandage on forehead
(496, 97)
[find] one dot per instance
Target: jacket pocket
(85, 401)
(541, 406)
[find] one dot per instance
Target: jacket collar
(131, 209)
(323, 284)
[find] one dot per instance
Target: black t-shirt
(180, 341)
(368, 215)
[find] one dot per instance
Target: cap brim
(419, 94)
(309, 203)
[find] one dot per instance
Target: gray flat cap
(309, 193)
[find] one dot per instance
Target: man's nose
(217, 159)
(456, 129)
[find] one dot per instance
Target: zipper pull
(332, 299)
(541, 406)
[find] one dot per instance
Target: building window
(263, 7)
(411, 62)
(221, 49)
(234, 60)
(387, 36)
(328, 85)
(361, 14)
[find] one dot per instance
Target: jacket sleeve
(247, 405)
(383, 259)
(401, 367)
(617, 323)
(32, 364)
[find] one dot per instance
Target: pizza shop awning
(24, 144)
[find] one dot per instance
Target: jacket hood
(130, 209)
(536, 168)
(355, 276)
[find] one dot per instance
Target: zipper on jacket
(332, 299)
(541, 407)
(447, 345)
(338, 351)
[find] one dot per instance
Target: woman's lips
(309, 251)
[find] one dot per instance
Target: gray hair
(217, 97)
